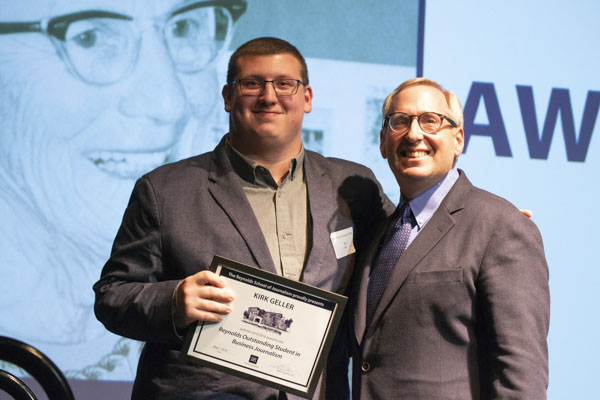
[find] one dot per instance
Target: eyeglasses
(282, 87)
(101, 47)
(429, 122)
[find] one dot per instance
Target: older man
(452, 301)
(92, 95)
(258, 198)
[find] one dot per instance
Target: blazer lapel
(361, 283)
(439, 225)
(230, 196)
(322, 204)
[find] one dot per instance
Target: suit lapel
(360, 286)
(322, 205)
(440, 224)
(228, 193)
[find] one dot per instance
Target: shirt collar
(426, 204)
(255, 173)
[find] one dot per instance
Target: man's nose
(268, 94)
(154, 91)
(414, 133)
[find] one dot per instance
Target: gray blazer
(465, 314)
(182, 214)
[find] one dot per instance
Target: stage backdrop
(89, 103)
(527, 75)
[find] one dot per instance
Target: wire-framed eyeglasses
(254, 86)
(101, 47)
(429, 122)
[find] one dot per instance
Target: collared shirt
(281, 210)
(426, 204)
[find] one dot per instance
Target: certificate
(278, 333)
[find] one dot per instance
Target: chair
(15, 387)
(40, 367)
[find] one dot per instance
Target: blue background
(511, 63)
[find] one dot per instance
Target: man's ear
(308, 95)
(382, 138)
(227, 94)
(459, 142)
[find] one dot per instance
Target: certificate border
(326, 342)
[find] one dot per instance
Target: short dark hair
(265, 46)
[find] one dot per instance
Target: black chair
(40, 367)
(15, 387)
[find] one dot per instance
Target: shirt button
(365, 366)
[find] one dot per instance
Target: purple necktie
(394, 244)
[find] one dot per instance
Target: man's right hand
(201, 297)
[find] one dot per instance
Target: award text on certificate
(274, 332)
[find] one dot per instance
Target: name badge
(343, 243)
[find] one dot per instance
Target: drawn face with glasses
(101, 47)
(420, 154)
(93, 93)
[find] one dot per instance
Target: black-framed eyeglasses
(254, 86)
(101, 47)
(429, 122)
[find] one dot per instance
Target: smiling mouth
(127, 165)
(267, 112)
(414, 154)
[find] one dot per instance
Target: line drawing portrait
(92, 95)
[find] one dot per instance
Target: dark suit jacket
(179, 216)
(465, 314)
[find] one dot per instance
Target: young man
(259, 198)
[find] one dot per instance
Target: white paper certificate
(278, 333)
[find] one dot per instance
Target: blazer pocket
(445, 276)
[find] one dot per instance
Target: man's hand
(201, 297)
